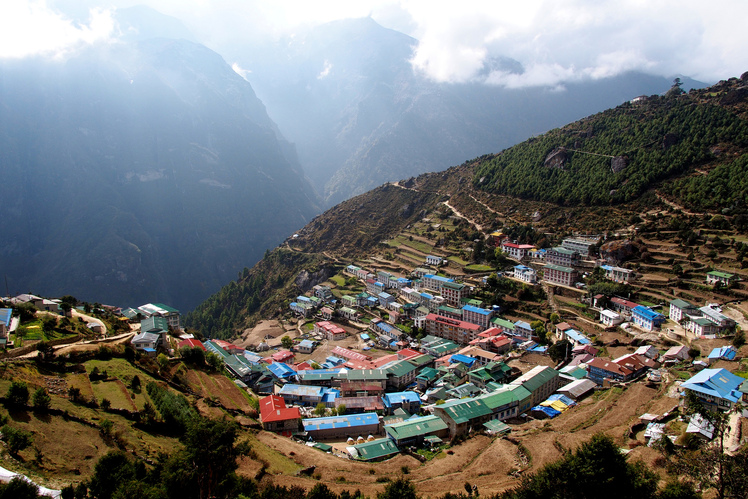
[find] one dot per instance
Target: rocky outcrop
(557, 158)
(616, 252)
(618, 164)
(306, 280)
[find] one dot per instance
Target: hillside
(708, 155)
(614, 156)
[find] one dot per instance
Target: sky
(556, 41)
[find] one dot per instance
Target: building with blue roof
(464, 359)
(409, 401)
(525, 274)
(522, 328)
(434, 282)
(388, 330)
(337, 427)
(723, 353)
(716, 388)
(646, 318)
(305, 346)
(6, 315)
(281, 370)
(304, 394)
(372, 301)
(385, 299)
(477, 315)
(575, 337)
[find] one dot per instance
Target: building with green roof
(540, 381)
(400, 374)
(680, 309)
(503, 324)
(426, 378)
(506, 402)
(497, 427)
(375, 450)
(414, 430)
(421, 361)
(719, 277)
(439, 348)
(462, 415)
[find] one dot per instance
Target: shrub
(41, 400)
(16, 439)
(18, 394)
(74, 393)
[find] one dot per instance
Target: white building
(525, 274)
(610, 318)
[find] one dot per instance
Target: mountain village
(359, 382)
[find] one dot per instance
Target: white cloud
(564, 40)
(31, 27)
(244, 73)
(553, 40)
(325, 71)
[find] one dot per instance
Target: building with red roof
(191, 343)
(622, 306)
(460, 332)
(407, 353)
(349, 354)
(283, 356)
(275, 416)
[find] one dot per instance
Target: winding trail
(457, 213)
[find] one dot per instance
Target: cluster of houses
(560, 262)
(156, 320)
(705, 322)
(442, 390)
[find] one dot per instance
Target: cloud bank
(498, 42)
(30, 28)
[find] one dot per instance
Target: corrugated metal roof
(416, 427)
(464, 410)
(350, 421)
(376, 449)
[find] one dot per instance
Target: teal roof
(682, 304)
(376, 449)
(559, 268)
(497, 426)
(415, 427)
(154, 324)
(464, 410)
(724, 275)
(428, 373)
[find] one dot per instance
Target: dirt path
(478, 226)
(89, 319)
(674, 205)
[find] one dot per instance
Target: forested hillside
(614, 156)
